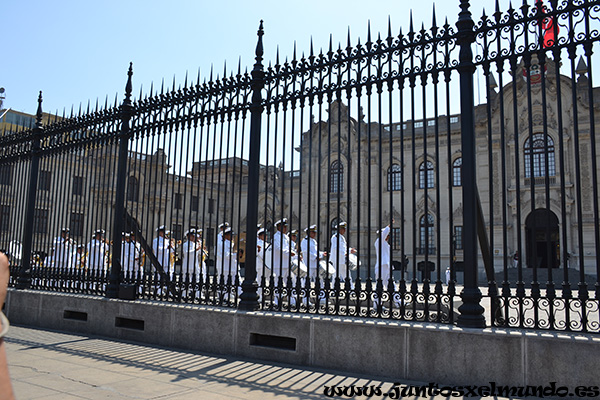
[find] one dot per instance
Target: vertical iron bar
(118, 216)
(24, 280)
(249, 298)
(471, 312)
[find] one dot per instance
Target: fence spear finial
(38, 119)
(294, 59)
(348, 41)
(434, 22)
(129, 85)
(259, 46)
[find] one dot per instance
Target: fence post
(114, 277)
(471, 311)
(249, 298)
(24, 280)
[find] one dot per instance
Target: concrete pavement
(54, 365)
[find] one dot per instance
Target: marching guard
(161, 246)
(98, 251)
(338, 253)
(64, 247)
(282, 256)
(383, 264)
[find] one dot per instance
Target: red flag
(549, 27)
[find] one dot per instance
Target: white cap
(283, 221)
(312, 228)
(260, 231)
(160, 228)
(224, 225)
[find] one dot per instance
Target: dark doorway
(541, 239)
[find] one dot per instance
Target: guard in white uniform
(383, 260)
(282, 257)
(64, 247)
(221, 227)
(191, 255)
(131, 257)
(139, 253)
(260, 255)
(227, 261)
(338, 252)
(310, 252)
(97, 250)
(78, 258)
(161, 247)
(282, 251)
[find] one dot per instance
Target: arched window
(426, 236)
(336, 177)
(457, 172)
(394, 178)
(426, 175)
(535, 147)
(132, 189)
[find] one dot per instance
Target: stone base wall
(392, 349)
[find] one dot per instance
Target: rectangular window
(78, 186)
(195, 203)
(76, 225)
(210, 238)
(177, 232)
(40, 221)
(178, 201)
(6, 172)
(458, 239)
(4, 218)
(45, 180)
(211, 206)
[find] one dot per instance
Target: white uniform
(311, 255)
(162, 250)
(260, 259)
(97, 254)
(63, 252)
(130, 259)
(226, 259)
(281, 255)
(192, 255)
(383, 259)
(338, 255)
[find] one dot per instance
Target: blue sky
(78, 51)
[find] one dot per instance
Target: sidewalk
(51, 365)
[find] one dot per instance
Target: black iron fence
(360, 180)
